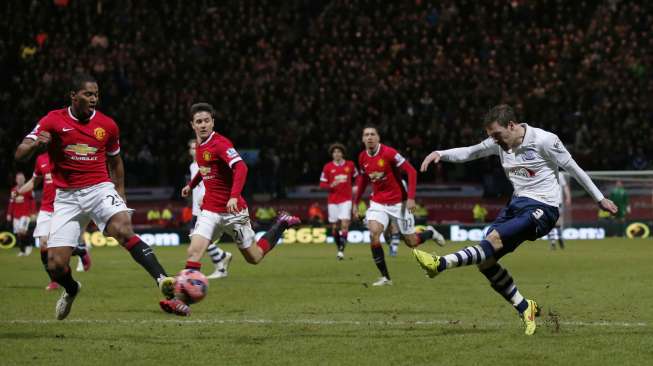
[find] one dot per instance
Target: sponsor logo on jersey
(99, 133)
(231, 152)
(520, 171)
(81, 149)
(204, 170)
(206, 156)
(374, 176)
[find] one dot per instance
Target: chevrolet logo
(204, 170)
(81, 149)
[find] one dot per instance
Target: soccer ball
(191, 286)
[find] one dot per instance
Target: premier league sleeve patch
(232, 153)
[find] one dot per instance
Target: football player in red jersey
(81, 143)
(43, 174)
(382, 166)
(224, 210)
(21, 208)
(337, 177)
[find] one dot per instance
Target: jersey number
(116, 200)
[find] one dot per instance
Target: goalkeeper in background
(620, 197)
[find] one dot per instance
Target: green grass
(302, 307)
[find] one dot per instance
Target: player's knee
(495, 240)
(411, 240)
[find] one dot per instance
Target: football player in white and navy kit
(530, 158)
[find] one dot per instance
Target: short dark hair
(370, 125)
(201, 107)
(78, 80)
(337, 145)
(502, 114)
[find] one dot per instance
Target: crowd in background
(291, 77)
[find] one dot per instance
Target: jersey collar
(209, 139)
(341, 164)
(378, 148)
(70, 113)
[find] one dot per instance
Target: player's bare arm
(433, 157)
(29, 186)
(117, 174)
(29, 147)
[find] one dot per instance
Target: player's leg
(243, 234)
(221, 260)
(406, 225)
(40, 234)
(503, 283)
(65, 228)
(332, 210)
(111, 215)
(376, 229)
(344, 233)
(344, 216)
(20, 232)
(553, 238)
(43, 249)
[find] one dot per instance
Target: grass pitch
(302, 307)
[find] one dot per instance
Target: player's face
(503, 136)
(337, 154)
(85, 99)
(202, 124)
(371, 138)
(20, 179)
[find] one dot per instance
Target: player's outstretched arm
(29, 146)
(462, 154)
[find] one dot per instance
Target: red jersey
(383, 170)
(43, 170)
(78, 150)
(20, 204)
(216, 158)
(338, 180)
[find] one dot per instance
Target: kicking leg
(254, 254)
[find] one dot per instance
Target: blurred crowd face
(20, 179)
(202, 124)
(84, 100)
(192, 145)
(507, 137)
(371, 138)
(337, 155)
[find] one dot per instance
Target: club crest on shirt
(529, 155)
(99, 133)
(381, 163)
(346, 169)
(206, 155)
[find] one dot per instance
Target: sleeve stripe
(114, 153)
(31, 136)
(323, 180)
(401, 162)
(234, 161)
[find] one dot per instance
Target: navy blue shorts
(523, 219)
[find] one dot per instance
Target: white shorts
(211, 226)
(76, 207)
(42, 224)
(339, 211)
(21, 224)
(383, 213)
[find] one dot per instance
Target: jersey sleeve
(228, 153)
(113, 142)
(487, 147)
(43, 125)
(354, 171)
(394, 156)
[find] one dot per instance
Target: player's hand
(9, 218)
(185, 191)
(43, 139)
(232, 205)
(354, 211)
(433, 157)
(32, 218)
(607, 205)
(411, 205)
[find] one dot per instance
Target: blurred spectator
(289, 77)
(316, 214)
(479, 212)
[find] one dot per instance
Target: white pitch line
(578, 323)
